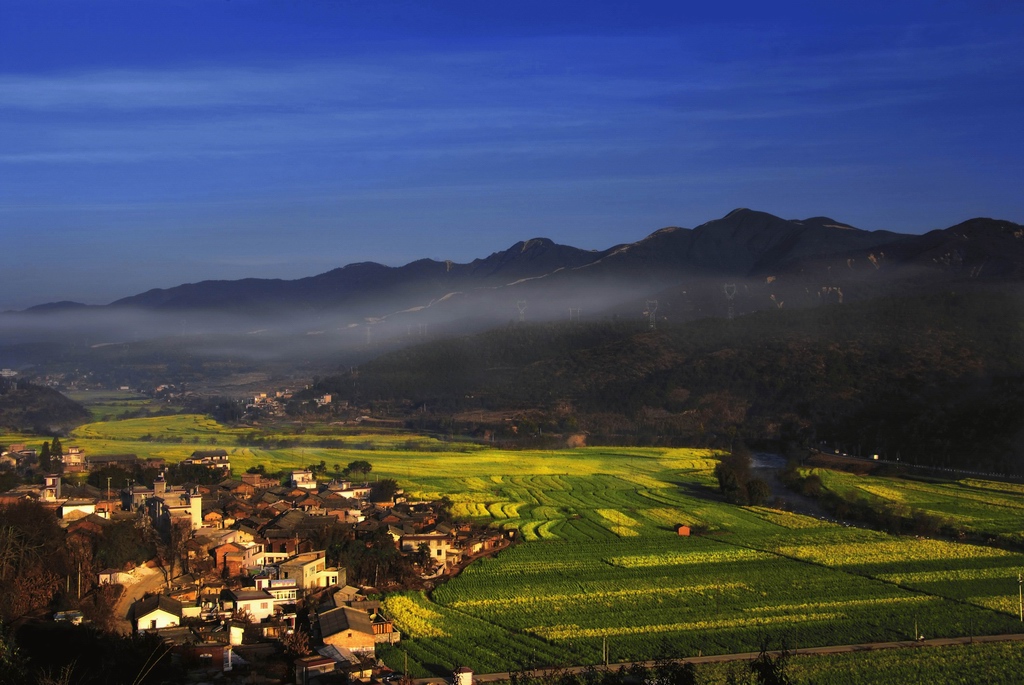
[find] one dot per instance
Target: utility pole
(1020, 595)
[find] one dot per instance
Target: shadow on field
(699, 491)
(438, 670)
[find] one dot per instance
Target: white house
(259, 603)
(310, 570)
(154, 613)
(78, 508)
(283, 591)
(303, 479)
(440, 546)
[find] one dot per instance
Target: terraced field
(599, 561)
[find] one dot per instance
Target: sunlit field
(599, 561)
(974, 505)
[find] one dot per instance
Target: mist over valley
(775, 331)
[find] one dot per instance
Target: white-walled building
(303, 479)
(154, 613)
(309, 571)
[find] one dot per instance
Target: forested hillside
(936, 379)
(28, 407)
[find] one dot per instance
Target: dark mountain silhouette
(62, 306)
(743, 262)
(340, 287)
(744, 245)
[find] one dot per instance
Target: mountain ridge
(755, 248)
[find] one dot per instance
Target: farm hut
(682, 530)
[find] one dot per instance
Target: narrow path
(746, 656)
(144, 579)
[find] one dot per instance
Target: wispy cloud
(581, 134)
(462, 101)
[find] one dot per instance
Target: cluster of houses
(75, 460)
(269, 403)
(234, 623)
(255, 572)
(168, 503)
(17, 455)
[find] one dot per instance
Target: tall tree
(44, 457)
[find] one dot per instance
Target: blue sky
(147, 144)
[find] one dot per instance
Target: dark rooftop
(344, 618)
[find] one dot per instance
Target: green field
(174, 438)
(602, 563)
(599, 560)
(105, 405)
(993, 664)
(976, 506)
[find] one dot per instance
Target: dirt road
(144, 579)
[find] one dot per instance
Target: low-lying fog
(33, 338)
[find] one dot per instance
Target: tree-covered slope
(28, 407)
(936, 379)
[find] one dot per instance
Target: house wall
(259, 608)
(360, 643)
(305, 575)
(328, 577)
(155, 620)
(439, 546)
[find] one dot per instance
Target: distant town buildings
(212, 459)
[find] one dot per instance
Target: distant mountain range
(770, 260)
(880, 341)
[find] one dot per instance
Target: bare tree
(172, 548)
(296, 643)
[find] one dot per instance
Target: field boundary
(743, 656)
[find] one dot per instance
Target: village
(261, 578)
